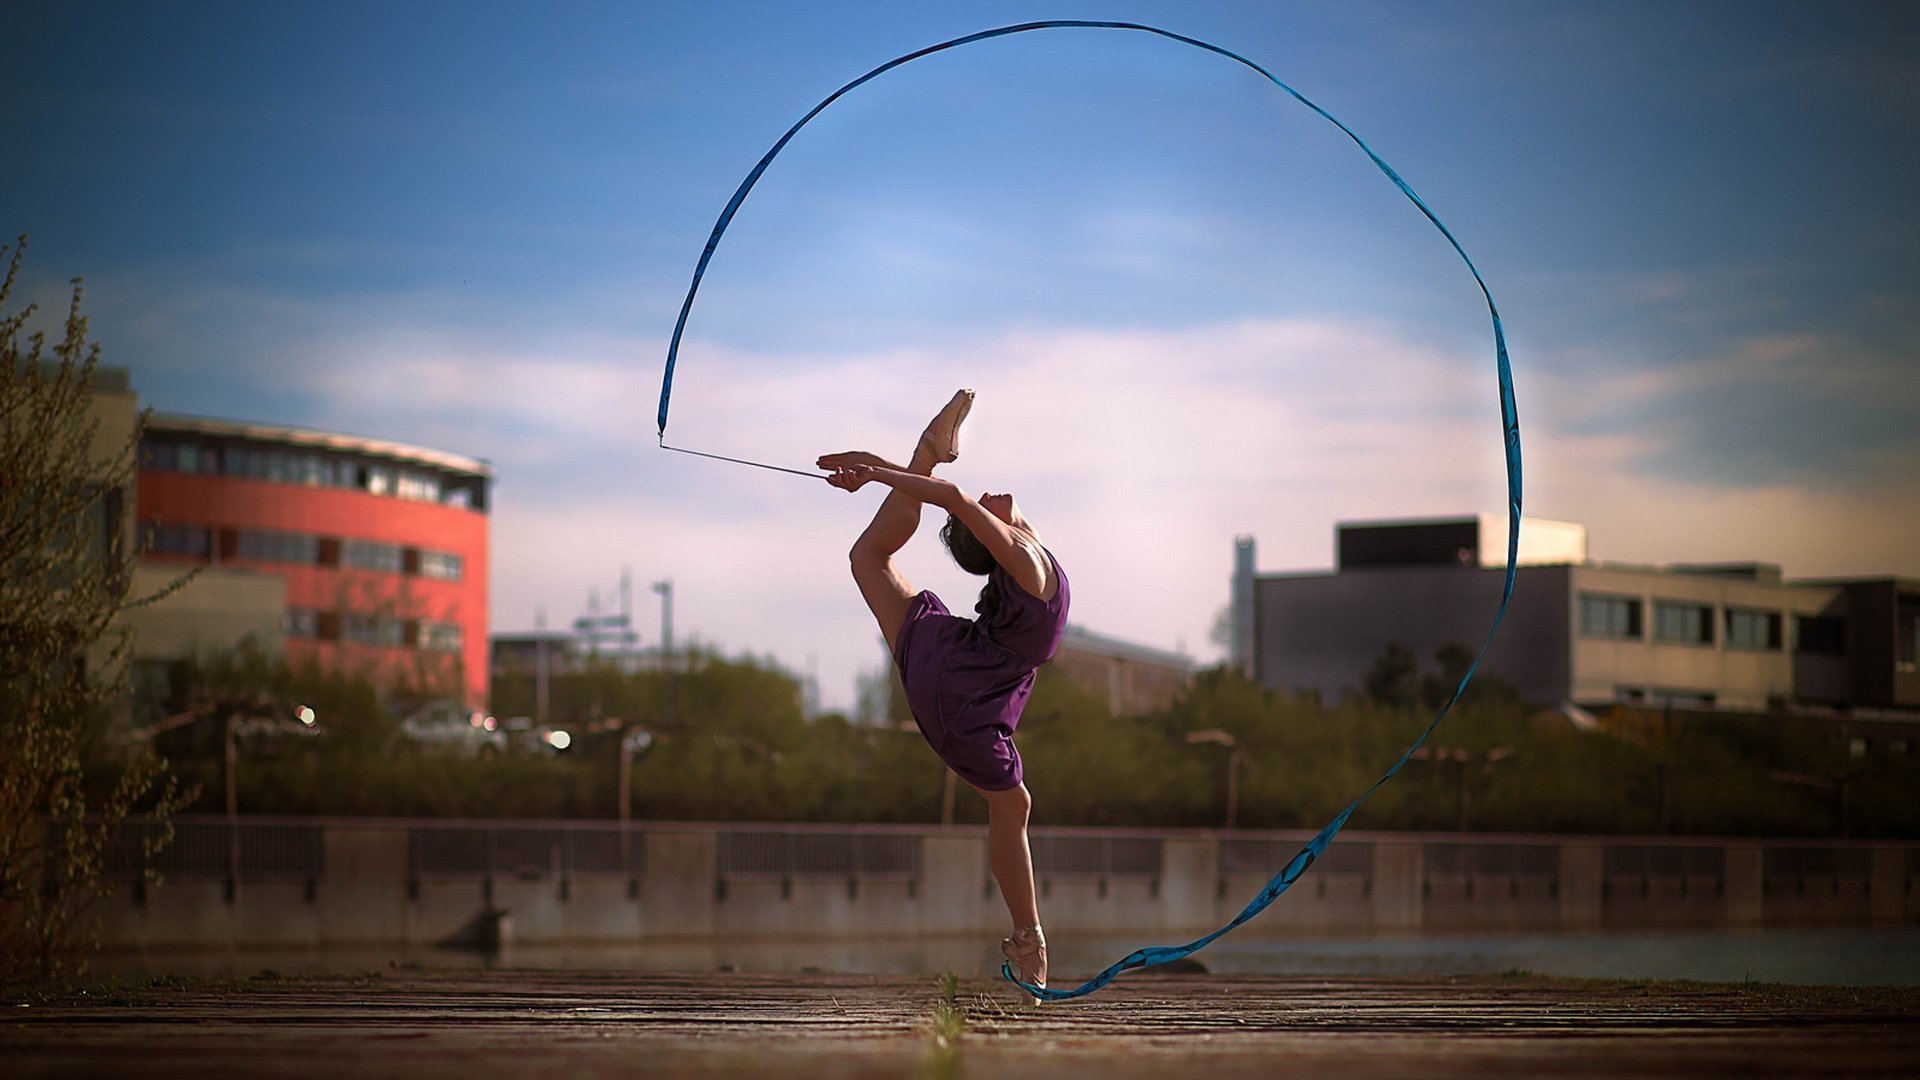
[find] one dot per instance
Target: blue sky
(1191, 308)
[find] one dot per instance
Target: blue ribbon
(1509, 420)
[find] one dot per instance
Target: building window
(283, 465)
(371, 555)
(193, 541)
(156, 454)
(165, 455)
(440, 565)
(303, 623)
(1682, 624)
(259, 545)
(417, 486)
(244, 461)
(314, 470)
(440, 637)
(1609, 616)
(1759, 630)
(373, 630)
(1820, 634)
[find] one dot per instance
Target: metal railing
(1093, 855)
(528, 851)
(1815, 862)
(1665, 861)
(1267, 857)
(213, 850)
(787, 853)
(294, 850)
(1456, 859)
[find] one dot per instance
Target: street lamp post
(1235, 757)
(233, 806)
(633, 743)
(665, 588)
(541, 675)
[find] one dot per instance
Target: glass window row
(299, 549)
(165, 453)
(360, 628)
(1618, 618)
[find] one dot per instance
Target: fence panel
(793, 853)
(1096, 856)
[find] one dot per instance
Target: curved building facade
(381, 548)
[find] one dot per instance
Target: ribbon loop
(1510, 434)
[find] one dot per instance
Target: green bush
(730, 743)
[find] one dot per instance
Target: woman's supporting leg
(1009, 855)
(1011, 859)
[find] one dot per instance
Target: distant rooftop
(1085, 640)
(1478, 540)
(457, 464)
(1745, 571)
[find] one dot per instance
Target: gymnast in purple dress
(967, 680)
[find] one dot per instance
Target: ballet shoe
(1027, 951)
(941, 440)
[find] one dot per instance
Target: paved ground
(487, 1025)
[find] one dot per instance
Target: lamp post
(633, 743)
(1235, 756)
(664, 588)
(541, 675)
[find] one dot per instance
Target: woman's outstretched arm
(1017, 550)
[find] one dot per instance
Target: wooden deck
(485, 1025)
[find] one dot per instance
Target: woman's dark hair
(974, 558)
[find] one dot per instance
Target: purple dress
(968, 679)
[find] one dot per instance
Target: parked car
(528, 737)
(449, 726)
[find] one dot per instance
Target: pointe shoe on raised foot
(941, 440)
(1027, 951)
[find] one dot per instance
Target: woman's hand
(852, 477)
(832, 462)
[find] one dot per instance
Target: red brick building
(382, 547)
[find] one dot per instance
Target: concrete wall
(213, 613)
(371, 886)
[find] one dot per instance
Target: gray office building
(1736, 637)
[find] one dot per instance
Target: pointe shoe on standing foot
(1027, 951)
(941, 440)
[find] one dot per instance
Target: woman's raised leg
(885, 589)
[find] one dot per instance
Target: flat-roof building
(1735, 636)
(1134, 678)
(375, 553)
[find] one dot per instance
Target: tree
(66, 569)
(1394, 677)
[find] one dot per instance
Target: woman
(967, 679)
